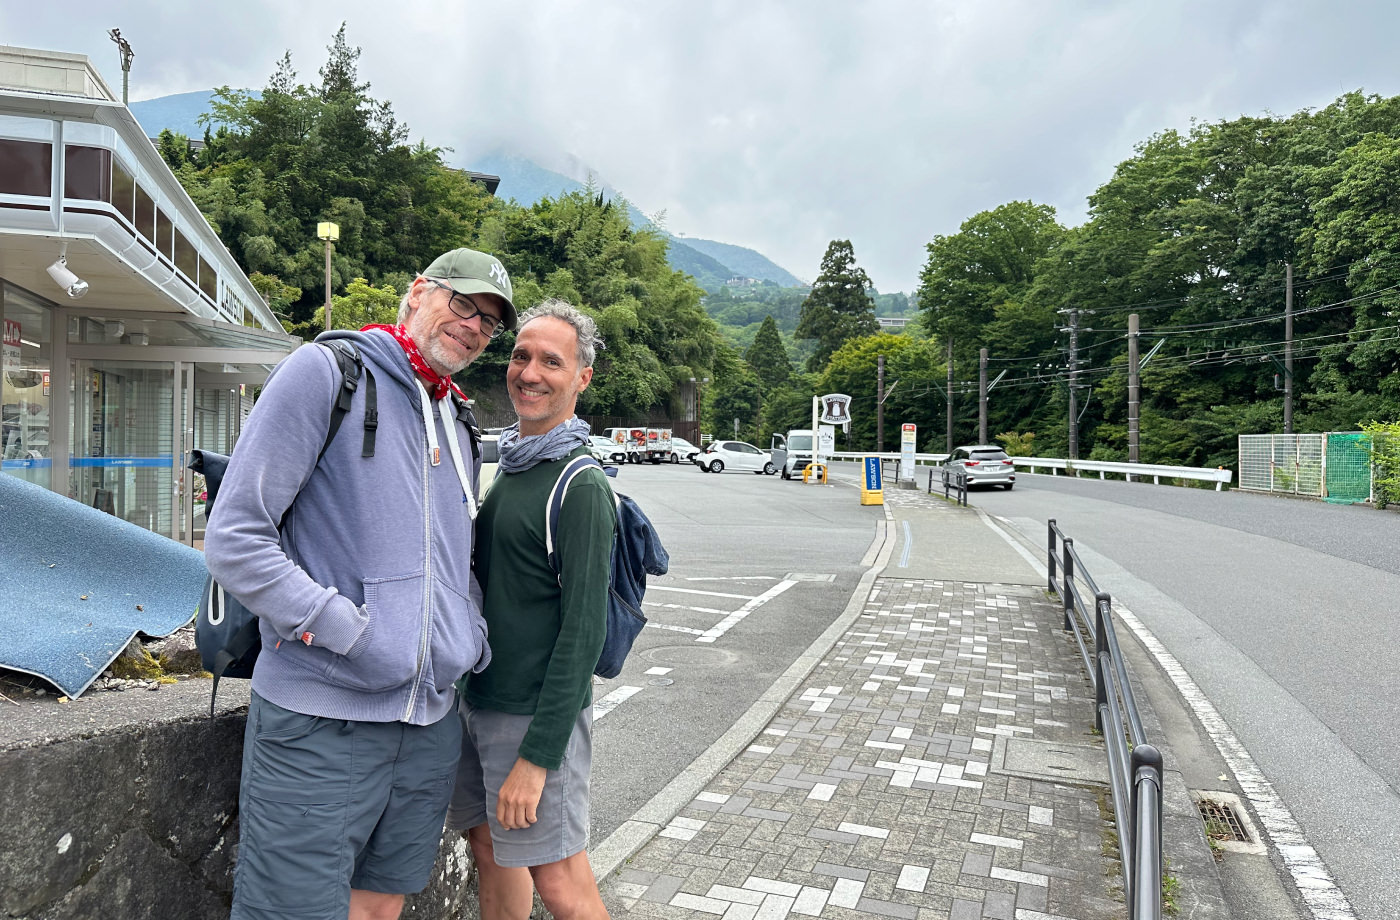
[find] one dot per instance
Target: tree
(767, 356)
(839, 307)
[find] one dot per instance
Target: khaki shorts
(490, 743)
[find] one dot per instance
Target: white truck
(793, 451)
(651, 445)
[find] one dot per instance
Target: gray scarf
(519, 454)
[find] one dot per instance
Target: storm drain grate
(1222, 823)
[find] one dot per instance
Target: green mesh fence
(1348, 468)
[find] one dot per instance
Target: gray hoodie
(366, 599)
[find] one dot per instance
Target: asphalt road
(1284, 613)
(764, 566)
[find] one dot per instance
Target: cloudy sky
(780, 125)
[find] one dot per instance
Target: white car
(735, 455)
(606, 450)
(681, 449)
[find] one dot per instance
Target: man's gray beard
(434, 352)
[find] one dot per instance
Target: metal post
(328, 285)
(950, 396)
(982, 397)
(880, 404)
(1134, 401)
(1067, 595)
(1288, 349)
(1102, 611)
(1145, 897)
(1050, 560)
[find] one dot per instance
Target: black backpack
(636, 553)
(225, 632)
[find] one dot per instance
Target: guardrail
(1220, 476)
(896, 458)
(1135, 775)
(958, 484)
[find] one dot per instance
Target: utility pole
(1288, 349)
(950, 396)
(880, 404)
(1134, 401)
(1073, 384)
(1074, 329)
(982, 397)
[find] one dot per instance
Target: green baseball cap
(467, 271)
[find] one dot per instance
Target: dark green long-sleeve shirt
(545, 636)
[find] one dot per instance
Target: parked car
(606, 450)
(985, 465)
(681, 449)
(735, 455)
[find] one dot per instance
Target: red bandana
(438, 384)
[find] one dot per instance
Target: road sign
(908, 434)
(872, 483)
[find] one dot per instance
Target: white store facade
(103, 396)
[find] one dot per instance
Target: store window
(26, 168)
(123, 191)
(87, 173)
(145, 214)
(25, 386)
(208, 280)
(165, 234)
(186, 256)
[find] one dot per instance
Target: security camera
(63, 276)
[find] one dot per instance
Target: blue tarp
(77, 583)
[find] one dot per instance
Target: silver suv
(985, 464)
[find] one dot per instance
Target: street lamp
(330, 233)
(124, 48)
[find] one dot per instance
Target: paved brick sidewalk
(878, 788)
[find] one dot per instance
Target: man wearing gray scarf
(522, 783)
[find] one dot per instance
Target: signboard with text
(11, 359)
(908, 434)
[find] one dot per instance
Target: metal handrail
(958, 485)
(1135, 772)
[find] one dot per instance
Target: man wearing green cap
(355, 555)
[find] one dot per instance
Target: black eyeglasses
(489, 324)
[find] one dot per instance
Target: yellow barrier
(815, 469)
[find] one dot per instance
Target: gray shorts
(327, 805)
(489, 751)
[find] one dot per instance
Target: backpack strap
(465, 416)
(351, 363)
(556, 504)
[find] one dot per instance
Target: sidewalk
(938, 761)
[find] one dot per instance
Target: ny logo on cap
(498, 274)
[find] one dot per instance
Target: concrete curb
(608, 856)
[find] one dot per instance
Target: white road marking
(742, 597)
(610, 702)
(723, 626)
(908, 546)
(1315, 883)
(732, 578)
(691, 630)
(683, 607)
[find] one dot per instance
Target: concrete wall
(125, 804)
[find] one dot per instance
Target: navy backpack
(636, 553)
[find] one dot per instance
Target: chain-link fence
(1290, 463)
(1335, 465)
(1348, 468)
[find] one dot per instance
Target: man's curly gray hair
(589, 341)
